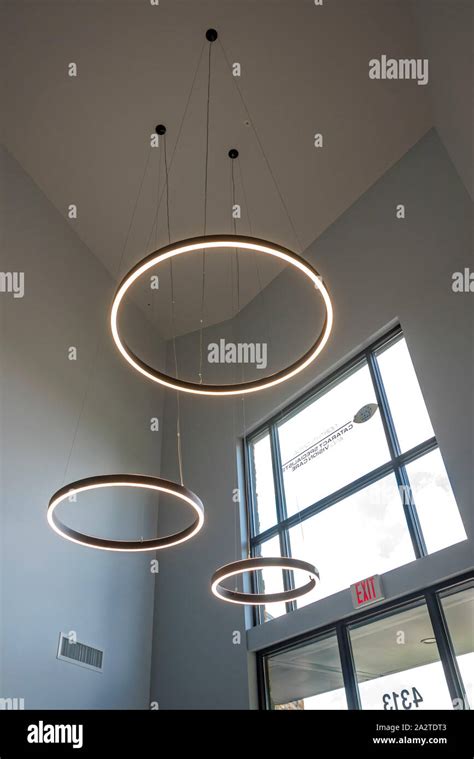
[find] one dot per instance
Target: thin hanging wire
(265, 312)
(206, 173)
(247, 510)
(155, 231)
(292, 225)
(127, 236)
(234, 229)
(238, 544)
(290, 220)
(173, 326)
(236, 504)
(158, 196)
(153, 300)
(180, 129)
(244, 422)
(238, 547)
(100, 339)
(260, 144)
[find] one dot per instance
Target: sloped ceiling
(445, 31)
(85, 140)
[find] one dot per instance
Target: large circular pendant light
(221, 242)
(133, 481)
(236, 568)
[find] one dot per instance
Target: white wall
(49, 584)
(379, 270)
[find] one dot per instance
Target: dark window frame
(431, 596)
(396, 464)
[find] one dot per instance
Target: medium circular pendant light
(126, 480)
(221, 242)
(236, 568)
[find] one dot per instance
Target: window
(411, 654)
(350, 477)
(397, 662)
(307, 677)
(368, 517)
(319, 452)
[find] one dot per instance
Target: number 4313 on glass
(407, 698)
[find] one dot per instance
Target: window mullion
(251, 500)
(347, 666)
(288, 581)
(385, 413)
(419, 450)
(411, 514)
(278, 475)
(403, 483)
(445, 647)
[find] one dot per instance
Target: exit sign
(366, 592)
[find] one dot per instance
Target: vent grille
(80, 653)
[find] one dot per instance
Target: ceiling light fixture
(254, 565)
(217, 242)
(226, 242)
(428, 641)
(126, 480)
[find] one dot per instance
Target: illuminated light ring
(221, 241)
(253, 565)
(126, 480)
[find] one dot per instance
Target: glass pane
(261, 459)
(459, 611)
(362, 535)
(412, 423)
(434, 500)
(270, 580)
(307, 677)
(396, 669)
(324, 448)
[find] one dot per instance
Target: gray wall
(445, 33)
(379, 270)
(49, 584)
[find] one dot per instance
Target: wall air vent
(80, 653)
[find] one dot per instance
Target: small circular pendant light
(254, 565)
(126, 480)
(219, 242)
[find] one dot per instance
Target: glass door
(397, 662)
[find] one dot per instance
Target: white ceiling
(304, 70)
